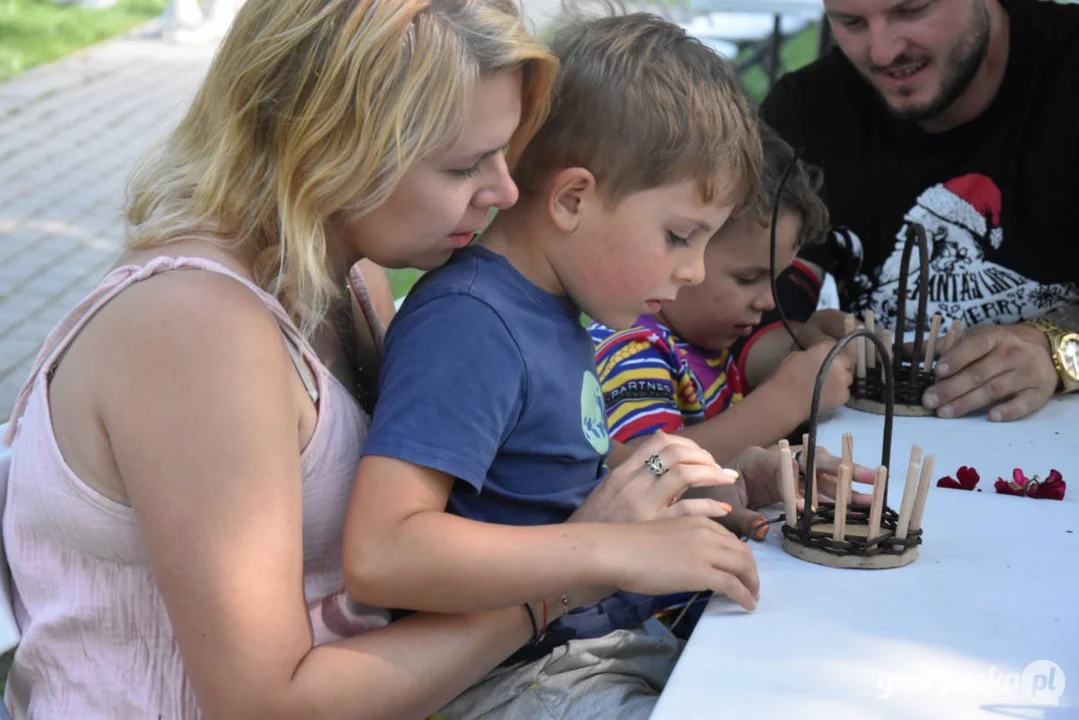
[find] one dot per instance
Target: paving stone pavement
(69, 135)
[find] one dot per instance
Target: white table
(957, 634)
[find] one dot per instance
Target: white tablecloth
(985, 624)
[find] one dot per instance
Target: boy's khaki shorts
(619, 675)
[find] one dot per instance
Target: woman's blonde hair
(312, 107)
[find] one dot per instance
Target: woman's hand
(631, 492)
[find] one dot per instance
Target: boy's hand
(685, 555)
(741, 520)
(798, 372)
(829, 322)
(759, 467)
(631, 492)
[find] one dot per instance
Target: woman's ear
(570, 191)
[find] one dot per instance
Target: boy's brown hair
(800, 192)
(640, 105)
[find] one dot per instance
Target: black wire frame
(915, 234)
(805, 520)
(772, 256)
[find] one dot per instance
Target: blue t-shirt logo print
(593, 415)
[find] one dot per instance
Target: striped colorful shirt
(653, 380)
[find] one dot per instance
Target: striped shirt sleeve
(637, 371)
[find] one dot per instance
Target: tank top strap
(115, 283)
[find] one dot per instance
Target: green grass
(33, 32)
(401, 281)
(798, 50)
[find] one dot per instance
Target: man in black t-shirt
(963, 116)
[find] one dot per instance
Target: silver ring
(655, 465)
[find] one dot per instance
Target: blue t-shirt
(492, 381)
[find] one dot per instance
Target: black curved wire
(806, 519)
(772, 258)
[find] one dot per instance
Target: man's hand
(993, 363)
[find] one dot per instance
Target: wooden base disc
(817, 556)
(874, 406)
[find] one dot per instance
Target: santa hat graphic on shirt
(971, 202)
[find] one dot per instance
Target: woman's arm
(201, 406)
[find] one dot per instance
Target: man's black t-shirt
(998, 197)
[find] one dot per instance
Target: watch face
(1069, 355)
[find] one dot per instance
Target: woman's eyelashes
(465, 173)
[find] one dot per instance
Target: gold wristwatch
(1064, 350)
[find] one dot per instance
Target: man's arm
(1007, 366)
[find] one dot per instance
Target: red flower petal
(949, 482)
(1053, 489)
(968, 477)
(1019, 478)
(1006, 488)
(1054, 475)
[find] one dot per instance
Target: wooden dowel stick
(877, 509)
(931, 344)
(923, 494)
(871, 326)
(786, 483)
(842, 497)
(849, 324)
(886, 338)
(848, 449)
(910, 491)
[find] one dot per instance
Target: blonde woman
(186, 443)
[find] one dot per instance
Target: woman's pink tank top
(96, 639)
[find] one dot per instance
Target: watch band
(1056, 335)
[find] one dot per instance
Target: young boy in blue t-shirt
(490, 409)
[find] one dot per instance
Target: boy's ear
(570, 190)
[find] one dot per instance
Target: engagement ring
(655, 465)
